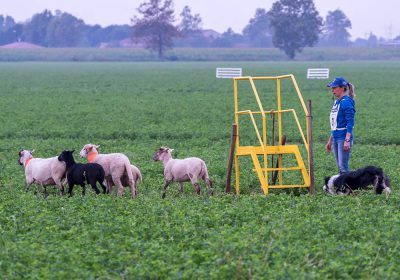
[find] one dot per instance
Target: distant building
(125, 43)
(210, 34)
(129, 43)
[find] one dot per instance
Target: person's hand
(346, 146)
(328, 146)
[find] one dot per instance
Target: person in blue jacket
(342, 122)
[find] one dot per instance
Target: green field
(135, 108)
(198, 54)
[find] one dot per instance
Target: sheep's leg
(195, 184)
(61, 188)
(209, 186)
(109, 185)
(36, 190)
(45, 190)
(60, 185)
(70, 188)
(118, 184)
(92, 182)
(133, 189)
(180, 186)
(166, 183)
(197, 187)
(103, 187)
(27, 186)
(64, 184)
(94, 186)
(106, 184)
(132, 185)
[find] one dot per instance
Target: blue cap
(338, 82)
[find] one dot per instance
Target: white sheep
(137, 177)
(42, 171)
(117, 167)
(182, 170)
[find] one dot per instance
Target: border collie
(359, 179)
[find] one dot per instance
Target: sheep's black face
(24, 155)
(156, 156)
(20, 154)
(159, 154)
(66, 156)
(61, 157)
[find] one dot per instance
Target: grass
(136, 107)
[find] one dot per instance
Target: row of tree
(289, 25)
(60, 30)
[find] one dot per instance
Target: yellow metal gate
(264, 150)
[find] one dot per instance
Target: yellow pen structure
(263, 150)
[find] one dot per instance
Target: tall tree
(35, 30)
(336, 29)
(6, 22)
(373, 40)
(155, 26)
(9, 30)
(228, 39)
(189, 23)
(296, 24)
(64, 30)
(190, 28)
(95, 35)
(258, 31)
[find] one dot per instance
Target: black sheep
(81, 174)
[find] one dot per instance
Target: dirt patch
(21, 45)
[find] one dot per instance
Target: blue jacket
(342, 117)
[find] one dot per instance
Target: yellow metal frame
(264, 149)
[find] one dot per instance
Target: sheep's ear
(171, 150)
(32, 151)
(97, 146)
(72, 151)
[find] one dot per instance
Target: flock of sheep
(115, 169)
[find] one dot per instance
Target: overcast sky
(380, 17)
